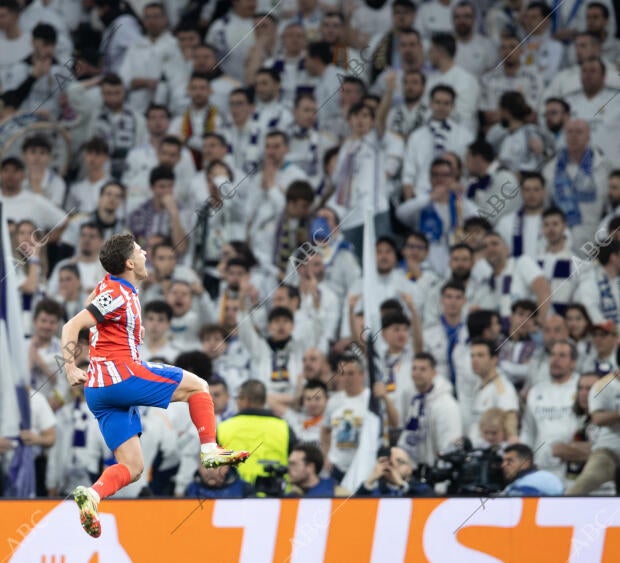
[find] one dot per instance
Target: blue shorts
(115, 406)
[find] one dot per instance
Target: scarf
(187, 131)
(345, 175)
(281, 352)
(517, 235)
(392, 366)
(340, 56)
(608, 305)
(482, 184)
(382, 56)
(439, 130)
(287, 240)
(452, 334)
(555, 12)
(430, 221)
(581, 189)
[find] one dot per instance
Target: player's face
(214, 345)
(461, 262)
(553, 228)
(266, 87)
(180, 299)
(481, 360)
(37, 157)
(413, 87)
(492, 434)
(199, 92)
(576, 323)
(511, 465)
(414, 250)
(212, 149)
(169, 154)
(297, 468)
(522, 321)
(156, 325)
(234, 276)
(68, 285)
(396, 336)
(275, 150)
(494, 249)
(45, 326)
(583, 389)
(305, 113)
(314, 402)
(352, 378)
(386, 258)
(139, 260)
(157, 122)
(280, 328)
(214, 478)
(422, 374)
(11, 178)
(331, 29)
(561, 364)
(312, 364)
(164, 261)
(452, 301)
(442, 105)
(554, 330)
(220, 397)
(113, 96)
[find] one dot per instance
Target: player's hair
(12, 161)
(350, 79)
(92, 226)
(195, 362)
(445, 89)
(161, 172)
(279, 313)
(426, 356)
(300, 190)
(334, 14)
(172, 140)
(524, 304)
(481, 222)
(574, 354)
(358, 108)
(321, 50)
(71, 268)
(157, 107)
(242, 92)
(112, 79)
(278, 133)
(350, 357)
(489, 344)
(217, 380)
(604, 9)
(394, 319)
(483, 149)
(542, 7)
(493, 416)
(237, 261)
(312, 454)
(478, 321)
(461, 246)
(208, 330)
(115, 252)
(315, 384)
(390, 306)
(523, 452)
(200, 76)
(445, 42)
(565, 105)
(514, 103)
(46, 33)
(532, 174)
(10, 5)
(453, 284)
(254, 391)
(37, 142)
(212, 135)
(159, 306)
(551, 211)
(50, 307)
(301, 96)
(272, 72)
(419, 236)
(607, 250)
(97, 145)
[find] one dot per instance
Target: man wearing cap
(605, 342)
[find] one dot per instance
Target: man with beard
(384, 51)
(475, 53)
(522, 229)
(491, 184)
(406, 116)
(557, 114)
(557, 260)
(509, 75)
(548, 416)
(333, 31)
(613, 201)
(411, 53)
(461, 265)
(554, 330)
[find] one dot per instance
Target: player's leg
(195, 392)
(127, 470)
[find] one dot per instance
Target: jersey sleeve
(106, 305)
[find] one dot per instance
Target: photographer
(304, 465)
(392, 477)
(524, 478)
(219, 482)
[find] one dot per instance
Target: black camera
(469, 472)
(273, 484)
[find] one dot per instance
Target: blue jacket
(535, 482)
(234, 487)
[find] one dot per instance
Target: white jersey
(549, 418)
(344, 416)
(605, 396)
(496, 393)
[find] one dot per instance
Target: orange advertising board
(546, 530)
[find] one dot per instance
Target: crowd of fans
(243, 144)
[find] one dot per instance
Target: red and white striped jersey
(115, 340)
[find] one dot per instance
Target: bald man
(577, 181)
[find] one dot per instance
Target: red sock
(112, 479)
(202, 414)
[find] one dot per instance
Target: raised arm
(69, 338)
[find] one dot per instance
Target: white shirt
(371, 23)
(52, 187)
(27, 205)
(84, 195)
(91, 274)
(343, 416)
(514, 282)
(434, 17)
(233, 36)
(542, 54)
(13, 51)
(603, 117)
(495, 82)
(149, 59)
(467, 91)
(528, 226)
(497, 393)
(549, 418)
(326, 92)
(477, 55)
(605, 396)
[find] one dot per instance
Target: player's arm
(69, 340)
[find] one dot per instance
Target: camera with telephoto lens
(273, 484)
(469, 472)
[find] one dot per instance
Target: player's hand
(170, 204)
(41, 66)
(5, 445)
(29, 437)
(379, 390)
(353, 301)
(75, 375)
(408, 300)
(379, 469)
(390, 80)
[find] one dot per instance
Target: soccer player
(118, 382)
